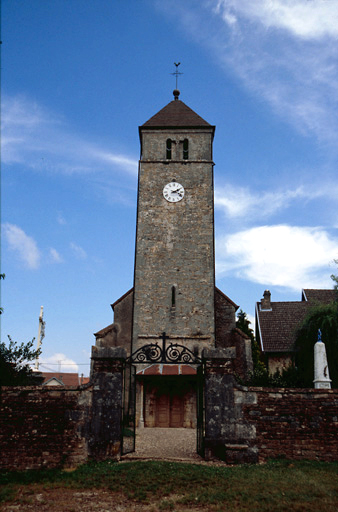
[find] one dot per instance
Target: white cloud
(79, 252)
(55, 255)
(41, 140)
(283, 51)
(58, 362)
(238, 202)
(123, 161)
(23, 245)
(302, 18)
(294, 69)
(287, 256)
(241, 202)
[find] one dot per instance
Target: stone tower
(174, 279)
(174, 275)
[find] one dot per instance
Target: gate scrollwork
(171, 354)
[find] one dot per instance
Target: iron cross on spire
(176, 72)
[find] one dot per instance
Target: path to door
(165, 443)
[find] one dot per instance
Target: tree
(335, 279)
(14, 363)
(325, 318)
(321, 316)
(243, 323)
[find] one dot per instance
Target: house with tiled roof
(277, 324)
(63, 379)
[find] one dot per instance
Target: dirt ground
(37, 499)
(63, 500)
(151, 444)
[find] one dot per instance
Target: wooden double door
(170, 402)
(169, 411)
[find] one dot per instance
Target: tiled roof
(322, 296)
(104, 331)
(65, 379)
(176, 114)
(277, 326)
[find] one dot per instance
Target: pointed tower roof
(176, 115)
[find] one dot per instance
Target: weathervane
(176, 72)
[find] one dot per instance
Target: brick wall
(253, 424)
(41, 427)
(51, 427)
(294, 423)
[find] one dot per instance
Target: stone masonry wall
(225, 320)
(254, 424)
(175, 243)
(43, 427)
(63, 427)
(104, 429)
(294, 423)
(228, 435)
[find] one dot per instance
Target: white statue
(322, 378)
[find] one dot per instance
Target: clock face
(173, 192)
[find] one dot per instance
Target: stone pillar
(227, 435)
(104, 429)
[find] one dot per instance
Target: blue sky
(80, 76)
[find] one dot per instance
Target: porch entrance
(170, 400)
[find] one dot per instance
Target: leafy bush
(14, 363)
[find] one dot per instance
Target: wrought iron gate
(153, 353)
(200, 410)
(128, 409)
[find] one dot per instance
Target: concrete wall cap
(109, 353)
(219, 353)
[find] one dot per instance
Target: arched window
(173, 296)
(168, 149)
(185, 149)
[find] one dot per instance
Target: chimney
(266, 301)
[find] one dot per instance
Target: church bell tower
(174, 276)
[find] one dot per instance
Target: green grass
(277, 485)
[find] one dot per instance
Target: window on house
(168, 149)
(185, 149)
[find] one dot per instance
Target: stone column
(104, 428)
(227, 435)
